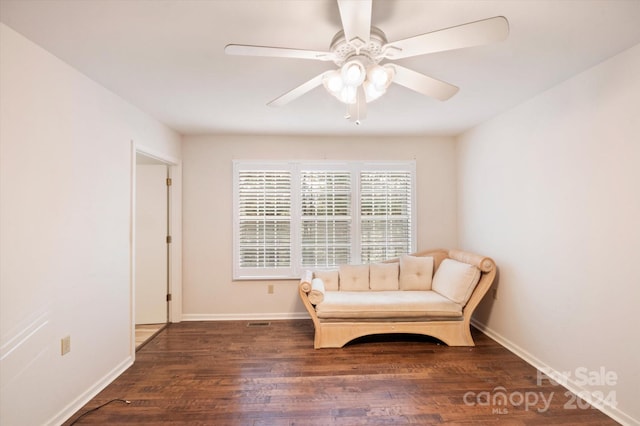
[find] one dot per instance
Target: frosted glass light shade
(343, 83)
(378, 80)
(353, 73)
(334, 82)
(348, 94)
(378, 76)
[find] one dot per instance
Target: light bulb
(378, 76)
(372, 91)
(353, 73)
(334, 82)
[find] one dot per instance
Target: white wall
(65, 206)
(208, 289)
(551, 190)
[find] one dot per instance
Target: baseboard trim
(80, 401)
(244, 317)
(603, 406)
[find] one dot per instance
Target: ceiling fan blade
(423, 84)
(357, 111)
(465, 35)
(277, 52)
(298, 91)
(356, 20)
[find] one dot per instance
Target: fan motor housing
(344, 50)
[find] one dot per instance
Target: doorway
(152, 247)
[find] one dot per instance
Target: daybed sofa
(432, 292)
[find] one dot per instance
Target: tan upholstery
(329, 278)
(354, 277)
(316, 295)
(383, 276)
(485, 264)
(305, 282)
(456, 280)
(386, 304)
(416, 272)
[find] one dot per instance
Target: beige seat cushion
(329, 278)
(456, 280)
(416, 272)
(383, 276)
(354, 278)
(386, 305)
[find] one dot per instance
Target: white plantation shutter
(292, 216)
(263, 205)
(325, 198)
(385, 214)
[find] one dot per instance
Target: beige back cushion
(383, 276)
(354, 278)
(456, 280)
(329, 278)
(416, 272)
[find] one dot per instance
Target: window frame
(295, 269)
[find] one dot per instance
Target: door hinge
(168, 239)
(169, 297)
(169, 181)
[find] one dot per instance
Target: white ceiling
(166, 57)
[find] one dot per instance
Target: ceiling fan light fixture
(372, 92)
(378, 80)
(333, 82)
(358, 48)
(343, 83)
(377, 76)
(348, 94)
(353, 73)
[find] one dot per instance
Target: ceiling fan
(359, 50)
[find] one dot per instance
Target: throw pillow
(316, 295)
(456, 280)
(329, 278)
(354, 277)
(383, 276)
(416, 272)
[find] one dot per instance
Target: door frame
(174, 167)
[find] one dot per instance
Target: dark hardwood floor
(226, 373)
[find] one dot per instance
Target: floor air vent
(259, 324)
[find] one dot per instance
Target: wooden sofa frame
(453, 332)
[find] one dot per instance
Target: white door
(151, 244)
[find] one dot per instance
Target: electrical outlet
(65, 345)
(270, 289)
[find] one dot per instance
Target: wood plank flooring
(226, 373)
(145, 332)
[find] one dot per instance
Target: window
(291, 216)
(264, 208)
(385, 214)
(325, 218)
